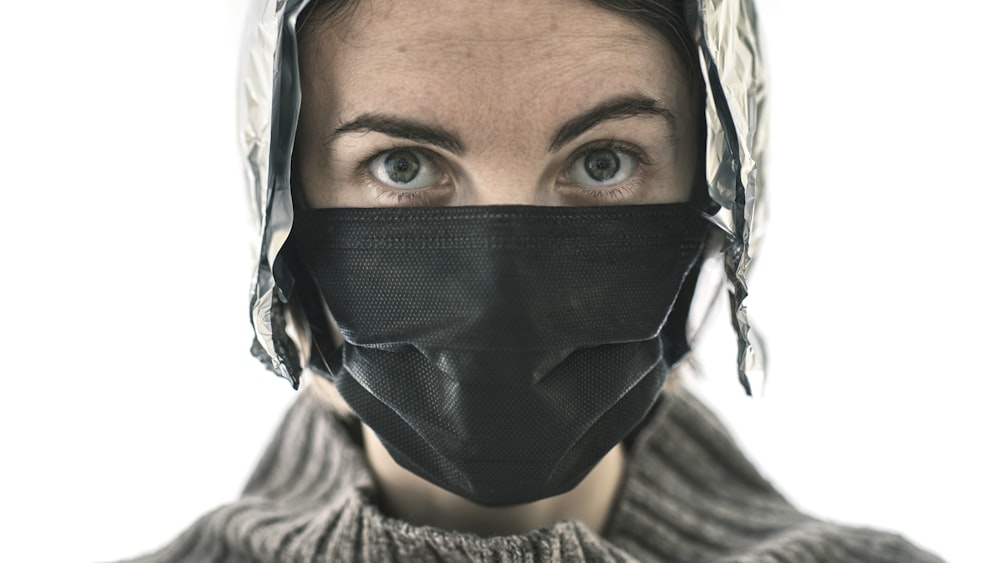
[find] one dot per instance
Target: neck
(408, 497)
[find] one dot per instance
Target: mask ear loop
(325, 358)
(674, 334)
(292, 279)
(307, 296)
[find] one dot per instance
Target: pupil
(402, 166)
(602, 164)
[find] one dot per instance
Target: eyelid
(615, 145)
(407, 197)
(439, 162)
(423, 196)
(641, 163)
(611, 193)
(365, 162)
(414, 198)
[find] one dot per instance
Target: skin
(509, 85)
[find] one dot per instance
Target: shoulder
(692, 495)
(827, 542)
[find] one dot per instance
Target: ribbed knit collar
(689, 496)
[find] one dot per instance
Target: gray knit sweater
(690, 496)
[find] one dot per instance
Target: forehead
(498, 60)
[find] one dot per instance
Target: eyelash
(422, 197)
(411, 197)
(614, 145)
(606, 194)
(418, 198)
(619, 191)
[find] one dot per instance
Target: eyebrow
(400, 127)
(616, 108)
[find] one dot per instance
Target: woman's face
(478, 102)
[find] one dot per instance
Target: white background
(130, 405)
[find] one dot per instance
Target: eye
(602, 166)
(405, 169)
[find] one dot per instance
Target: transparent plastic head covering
(730, 57)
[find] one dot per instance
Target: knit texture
(690, 496)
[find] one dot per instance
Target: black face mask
(499, 352)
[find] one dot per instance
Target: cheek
(308, 171)
(689, 151)
(687, 160)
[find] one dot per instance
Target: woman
(484, 223)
